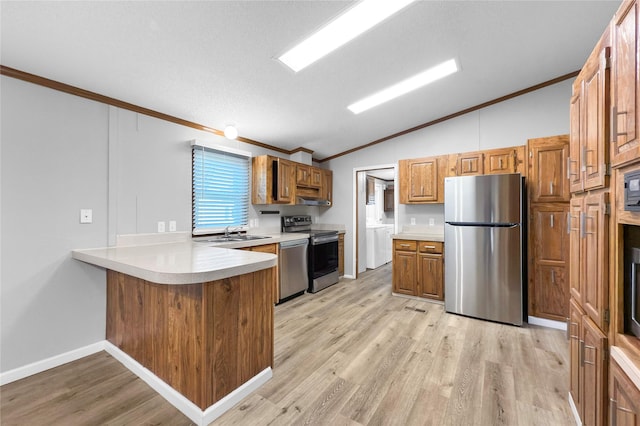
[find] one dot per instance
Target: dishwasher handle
(294, 243)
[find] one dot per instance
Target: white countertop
(418, 237)
(185, 262)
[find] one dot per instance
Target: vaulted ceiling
(213, 62)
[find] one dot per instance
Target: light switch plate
(413, 220)
(86, 216)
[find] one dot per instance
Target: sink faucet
(227, 232)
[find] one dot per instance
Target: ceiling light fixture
(412, 83)
(341, 30)
(230, 132)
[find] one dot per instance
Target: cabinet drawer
(430, 247)
(405, 245)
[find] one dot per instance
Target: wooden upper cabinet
(504, 160)
(624, 82)
(548, 169)
(596, 110)
(272, 180)
(308, 176)
(467, 164)
(327, 185)
(422, 180)
(588, 166)
(315, 180)
(574, 163)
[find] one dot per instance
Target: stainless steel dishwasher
(294, 279)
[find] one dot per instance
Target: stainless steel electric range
(322, 254)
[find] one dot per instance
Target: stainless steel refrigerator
(483, 236)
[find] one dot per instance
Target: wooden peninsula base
(204, 340)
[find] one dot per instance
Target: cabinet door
(575, 352)
(595, 151)
(595, 238)
(469, 164)
(548, 169)
(624, 93)
(574, 163)
(575, 248)
(549, 293)
(303, 175)
(404, 272)
(315, 177)
(594, 385)
(327, 186)
(430, 279)
(624, 409)
(388, 200)
(285, 187)
(371, 190)
(341, 254)
(498, 161)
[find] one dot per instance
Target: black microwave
(632, 191)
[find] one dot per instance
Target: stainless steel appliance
(483, 238)
(322, 254)
(632, 280)
(293, 268)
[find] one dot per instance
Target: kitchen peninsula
(194, 317)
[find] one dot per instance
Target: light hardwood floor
(349, 355)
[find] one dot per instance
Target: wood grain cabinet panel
(404, 272)
(588, 163)
(576, 248)
(624, 397)
(595, 369)
(504, 160)
(595, 238)
(430, 276)
(326, 189)
(549, 273)
(418, 268)
(470, 164)
(273, 180)
(574, 330)
(204, 340)
(624, 82)
(422, 180)
(548, 169)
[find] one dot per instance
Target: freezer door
(483, 199)
(483, 272)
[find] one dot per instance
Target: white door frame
(396, 191)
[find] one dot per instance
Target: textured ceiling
(213, 62)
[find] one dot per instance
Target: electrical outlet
(161, 226)
(172, 226)
(432, 221)
(413, 220)
(86, 216)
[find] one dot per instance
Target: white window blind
(220, 186)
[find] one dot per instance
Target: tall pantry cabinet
(548, 238)
(588, 170)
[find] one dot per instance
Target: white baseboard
(46, 364)
(574, 411)
(558, 325)
(176, 399)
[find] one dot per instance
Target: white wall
(544, 112)
(61, 153)
(54, 162)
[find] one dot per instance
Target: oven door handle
(634, 289)
(324, 239)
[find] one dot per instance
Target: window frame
(224, 150)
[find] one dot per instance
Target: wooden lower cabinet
(548, 272)
(588, 349)
(418, 269)
(624, 409)
(204, 340)
(405, 268)
(273, 249)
